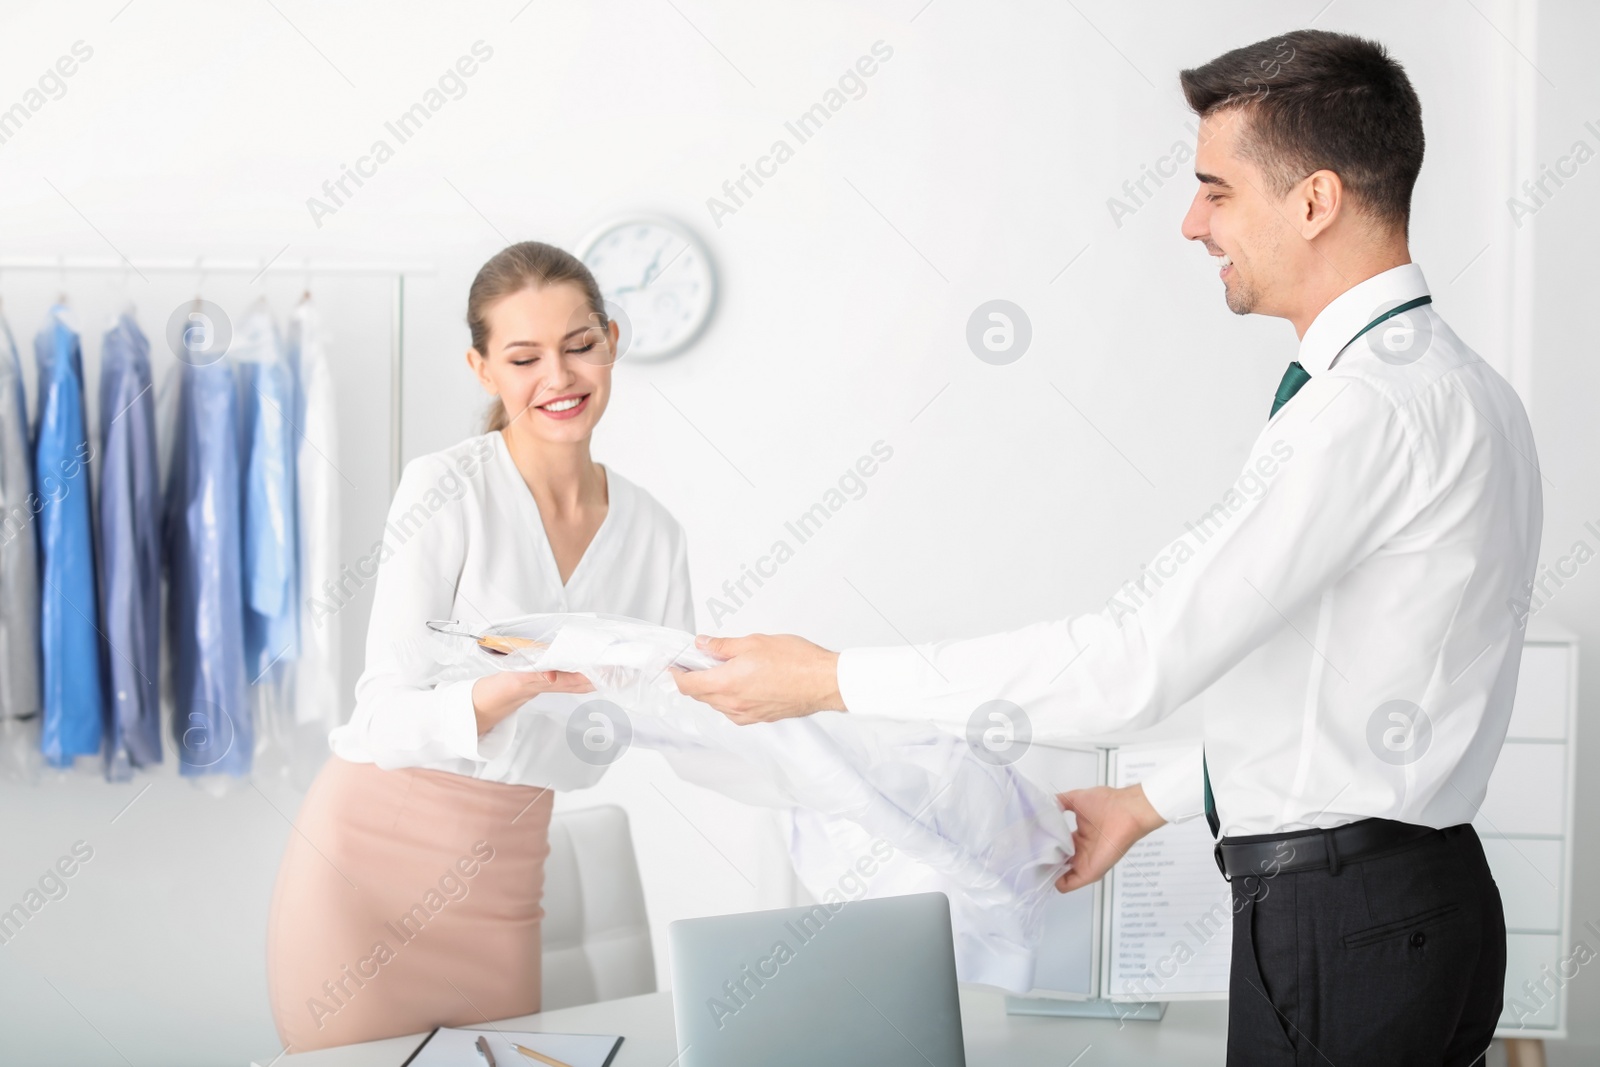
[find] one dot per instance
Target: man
(1348, 619)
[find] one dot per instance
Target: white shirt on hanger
(464, 541)
(316, 678)
(1365, 565)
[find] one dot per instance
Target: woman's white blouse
(464, 541)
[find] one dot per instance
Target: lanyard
(1386, 316)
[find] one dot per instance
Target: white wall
(977, 165)
(1566, 385)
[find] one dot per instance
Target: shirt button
(1417, 939)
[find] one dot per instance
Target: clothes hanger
(128, 307)
(196, 306)
(498, 644)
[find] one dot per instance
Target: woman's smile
(567, 406)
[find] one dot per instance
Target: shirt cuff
(880, 681)
(1176, 789)
(461, 725)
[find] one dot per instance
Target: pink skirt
(407, 899)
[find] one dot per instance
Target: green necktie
(1293, 378)
(1211, 805)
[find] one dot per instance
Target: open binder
(1158, 927)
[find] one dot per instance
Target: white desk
(1192, 1033)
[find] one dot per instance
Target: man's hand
(766, 677)
(1109, 822)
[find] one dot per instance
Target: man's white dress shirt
(1346, 608)
(465, 541)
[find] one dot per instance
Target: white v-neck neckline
(581, 568)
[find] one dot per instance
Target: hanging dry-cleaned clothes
(211, 724)
(20, 695)
(267, 392)
(69, 606)
(317, 479)
(130, 549)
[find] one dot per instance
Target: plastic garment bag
(271, 587)
(267, 391)
(69, 605)
(995, 841)
(316, 688)
(130, 541)
(211, 722)
(20, 693)
(290, 478)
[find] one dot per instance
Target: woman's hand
(497, 695)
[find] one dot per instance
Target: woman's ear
(480, 367)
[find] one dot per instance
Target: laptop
(861, 981)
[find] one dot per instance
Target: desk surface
(1193, 1032)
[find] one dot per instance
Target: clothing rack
(201, 266)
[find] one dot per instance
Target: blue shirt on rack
(267, 386)
(69, 633)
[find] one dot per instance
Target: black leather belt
(1265, 855)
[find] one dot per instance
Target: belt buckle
(1216, 852)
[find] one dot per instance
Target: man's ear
(1318, 202)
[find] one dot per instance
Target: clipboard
(448, 1046)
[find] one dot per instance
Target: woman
(409, 893)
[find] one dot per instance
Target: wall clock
(660, 276)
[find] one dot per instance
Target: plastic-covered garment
(296, 693)
(19, 545)
(69, 605)
(130, 540)
(316, 683)
(995, 840)
(211, 722)
(267, 390)
(21, 697)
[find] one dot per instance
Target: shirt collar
(1352, 309)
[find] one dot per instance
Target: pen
(541, 1057)
(483, 1050)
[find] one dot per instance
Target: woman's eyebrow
(536, 344)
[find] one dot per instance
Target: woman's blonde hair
(526, 264)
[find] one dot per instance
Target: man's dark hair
(1315, 100)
